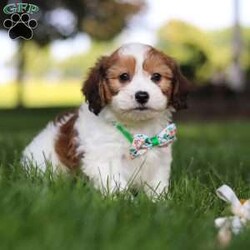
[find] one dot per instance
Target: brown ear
(180, 89)
(94, 87)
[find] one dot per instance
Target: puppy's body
(122, 88)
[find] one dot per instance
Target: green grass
(44, 212)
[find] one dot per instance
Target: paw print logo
(20, 26)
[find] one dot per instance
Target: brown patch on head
(155, 62)
(66, 143)
(103, 80)
(122, 64)
(173, 84)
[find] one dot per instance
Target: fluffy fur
(86, 138)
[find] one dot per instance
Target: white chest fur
(106, 154)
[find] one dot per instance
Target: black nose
(141, 97)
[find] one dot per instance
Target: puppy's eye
(156, 77)
(124, 77)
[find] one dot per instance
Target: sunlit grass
(8, 95)
(42, 93)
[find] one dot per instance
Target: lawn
(44, 212)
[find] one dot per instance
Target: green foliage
(79, 65)
(40, 64)
(107, 18)
(222, 45)
(47, 212)
(201, 54)
(189, 45)
(38, 60)
(101, 19)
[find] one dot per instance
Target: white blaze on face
(138, 51)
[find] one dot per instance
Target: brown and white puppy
(137, 86)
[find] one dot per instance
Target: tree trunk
(20, 73)
(236, 74)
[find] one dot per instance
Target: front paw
(156, 192)
(109, 186)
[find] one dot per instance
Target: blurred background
(209, 39)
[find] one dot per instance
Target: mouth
(138, 113)
(141, 108)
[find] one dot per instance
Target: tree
(206, 56)
(190, 46)
(236, 76)
(60, 19)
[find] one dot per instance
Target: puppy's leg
(105, 176)
(157, 187)
(41, 151)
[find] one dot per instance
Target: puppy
(114, 137)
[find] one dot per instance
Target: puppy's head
(137, 81)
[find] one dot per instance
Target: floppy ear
(180, 89)
(94, 88)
